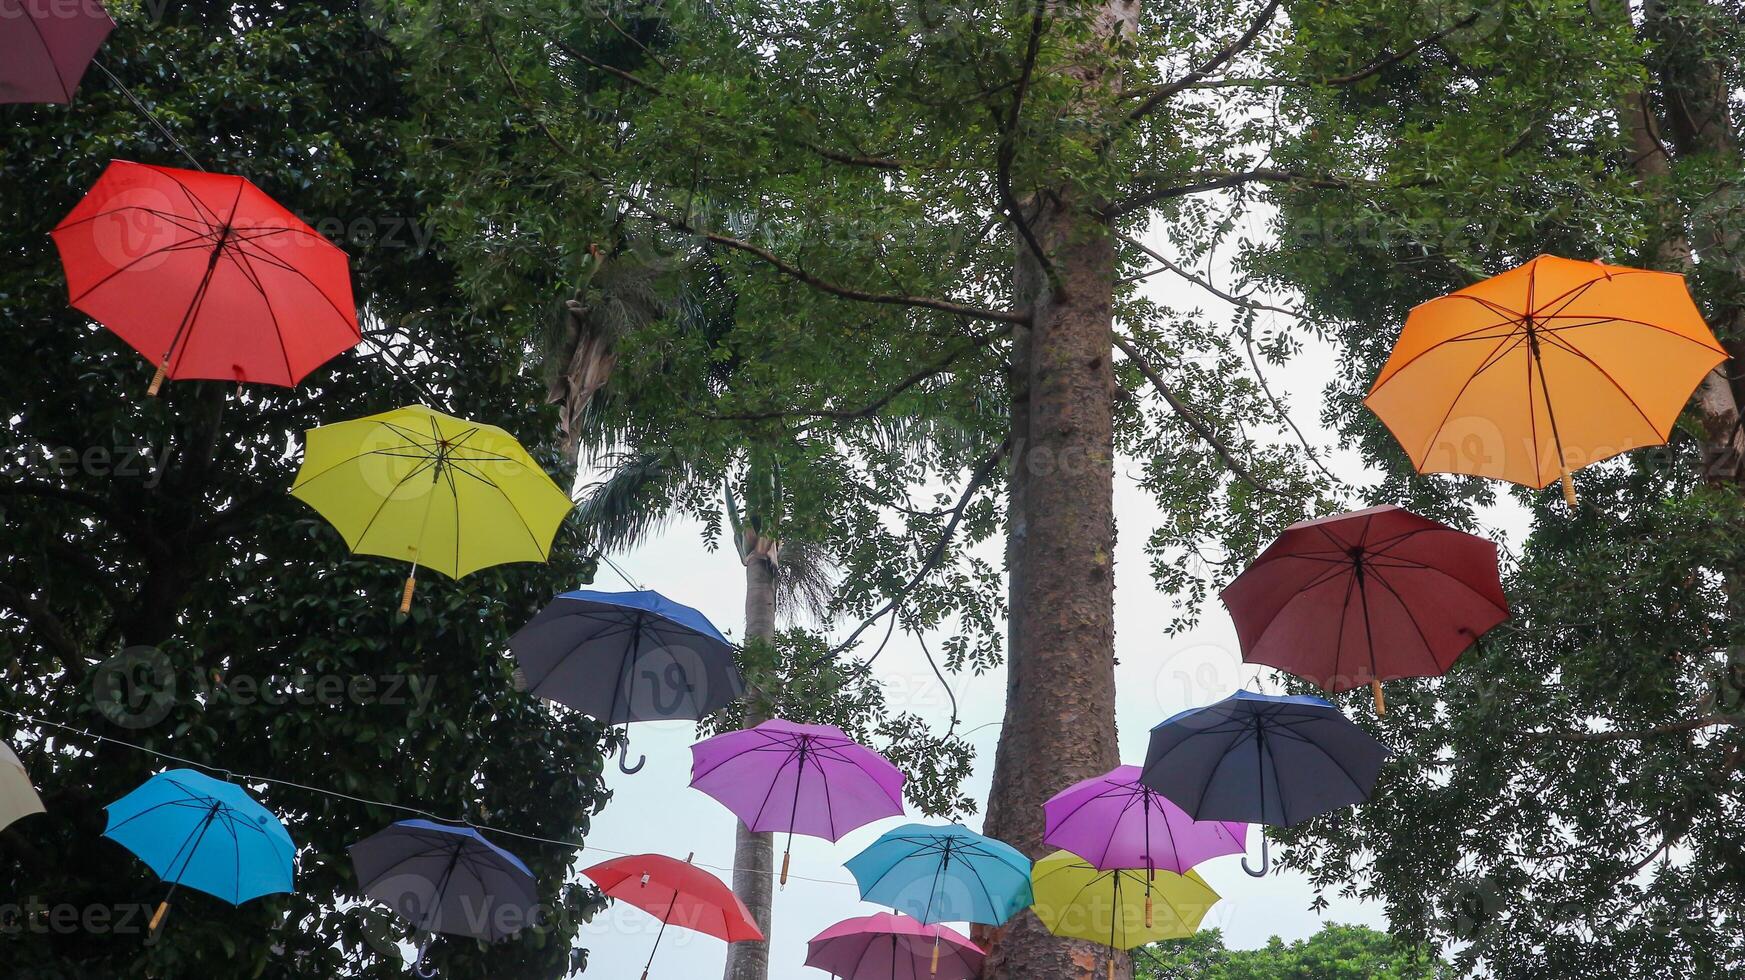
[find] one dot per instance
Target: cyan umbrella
(1262, 758)
(627, 656)
(944, 874)
(444, 878)
(205, 834)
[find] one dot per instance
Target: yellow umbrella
(17, 796)
(1077, 901)
(1533, 374)
(443, 493)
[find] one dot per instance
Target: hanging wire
(150, 117)
(621, 572)
(239, 777)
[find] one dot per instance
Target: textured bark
(1060, 709)
(754, 854)
(1060, 706)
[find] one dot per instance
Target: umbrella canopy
(441, 492)
(1262, 758)
(944, 874)
(627, 656)
(1079, 901)
(677, 893)
(205, 834)
(802, 779)
(46, 47)
(206, 276)
(17, 796)
(447, 879)
(893, 947)
(1115, 821)
(1544, 369)
(1366, 596)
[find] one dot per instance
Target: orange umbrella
(1544, 369)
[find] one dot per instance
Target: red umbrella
(207, 276)
(678, 893)
(45, 47)
(1366, 596)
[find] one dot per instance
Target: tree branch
(1188, 415)
(1380, 63)
(872, 407)
(984, 471)
(793, 271)
(1009, 146)
(1217, 61)
(1211, 180)
(1634, 735)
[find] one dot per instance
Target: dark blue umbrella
(444, 878)
(1262, 758)
(627, 656)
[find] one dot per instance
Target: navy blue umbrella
(627, 656)
(444, 878)
(1262, 758)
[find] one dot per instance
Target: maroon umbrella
(1367, 596)
(46, 45)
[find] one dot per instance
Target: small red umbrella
(679, 894)
(1366, 596)
(207, 276)
(46, 45)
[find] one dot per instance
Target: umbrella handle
(157, 382)
(157, 918)
(420, 967)
(1568, 489)
(1265, 859)
(406, 597)
(1381, 701)
(624, 759)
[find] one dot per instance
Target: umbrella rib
(184, 337)
(770, 792)
(1454, 403)
(1598, 321)
(188, 192)
(1429, 650)
(169, 217)
(176, 246)
(386, 497)
(252, 276)
(1562, 344)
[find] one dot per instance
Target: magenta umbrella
(802, 779)
(893, 947)
(1115, 822)
(45, 47)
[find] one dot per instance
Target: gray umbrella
(446, 879)
(1262, 758)
(627, 656)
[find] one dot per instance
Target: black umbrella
(1262, 758)
(627, 656)
(445, 879)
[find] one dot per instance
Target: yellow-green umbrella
(17, 796)
(440, 492)
(1077, 901)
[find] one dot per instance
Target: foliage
(1559, 804)
(1335, 953)
(254, 641)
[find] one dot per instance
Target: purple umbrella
(885, 946)
(1114, 822)
(802, 779)
(46, 47)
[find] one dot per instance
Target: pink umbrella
(893, 947)
(46, 47)
(1115, 822)
(802, 779)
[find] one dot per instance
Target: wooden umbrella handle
(157, 382)
(1568, 489)
(157, 918)
(1147, 911)
(406, 597)
(785, 856)
(1381, 701)
(935, 970)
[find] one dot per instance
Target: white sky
(655, 810)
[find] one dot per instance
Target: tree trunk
(754, 854)
(1060, 707)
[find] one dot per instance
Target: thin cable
(234, 776)
(621, 572)
(147, 113)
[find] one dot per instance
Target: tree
(1560, 804)
(1335, 953)
(852, 163)
(163, 589)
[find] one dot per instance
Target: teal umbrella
(204, 834)
(944, 874)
